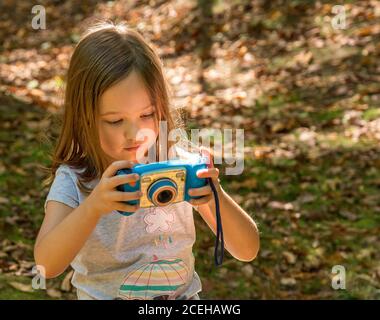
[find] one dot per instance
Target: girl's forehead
(127, 96)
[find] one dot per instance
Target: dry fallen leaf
(54, 293)
(66, 285)
(289, 257)
(247, 270)
(288, 282)
(21, 286)
(4, 200)
(304, 57)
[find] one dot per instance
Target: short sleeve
(63, 188)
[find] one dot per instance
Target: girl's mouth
(130, 149)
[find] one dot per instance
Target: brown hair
(105, 55)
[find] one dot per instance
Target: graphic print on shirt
(158, 280)
(158, 220)
(164, 240)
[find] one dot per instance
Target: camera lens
(162, 192)
(165, 196)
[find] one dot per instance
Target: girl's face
(126, 108)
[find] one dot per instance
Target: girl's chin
(131, 156)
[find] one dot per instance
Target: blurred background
(302, 80)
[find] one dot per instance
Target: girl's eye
(149, 115)
(114, 122)
(144, 116)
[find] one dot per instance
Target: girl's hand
(206, 191)
(105, 198)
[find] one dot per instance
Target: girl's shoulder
(66, 169)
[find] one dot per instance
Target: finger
(122, 179)
(125, 196)
(126, 207)
(208, 173)
(117, 165)
(203, 200)
(205, 152)
(202, 191)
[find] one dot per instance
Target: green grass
(7, 292)
(371, 114)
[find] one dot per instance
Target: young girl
(115, 87)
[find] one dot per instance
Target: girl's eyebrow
(115, 112)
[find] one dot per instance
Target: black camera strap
(219, 242)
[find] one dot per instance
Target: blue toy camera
(164, 183)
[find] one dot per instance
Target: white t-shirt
(147, 255)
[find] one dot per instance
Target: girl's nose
(130, 131)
